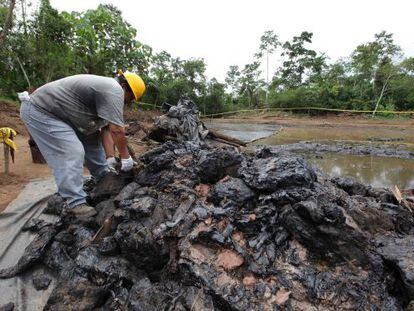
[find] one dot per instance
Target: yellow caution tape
(308, 108)
(6, 137)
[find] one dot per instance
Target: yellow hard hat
(135, 82)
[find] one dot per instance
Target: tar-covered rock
(199, 228)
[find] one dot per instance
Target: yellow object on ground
(135, 82)
(6, 137)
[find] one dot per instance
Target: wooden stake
(398, 196)
(6, 149)
(234, 141)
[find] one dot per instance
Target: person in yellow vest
(65, 118)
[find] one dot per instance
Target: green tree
(215, 97)
(373, 67)
(194, 71)
(172, 78)
(233, 79)
(49, 42)
(301, 65)
(269, 42)
(251, 83)
(160, 74)
(37, 51)
(402, 86)
(103, 41)
(6, 19)
(407, 66)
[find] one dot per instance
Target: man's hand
(111, 161)
(127, 164)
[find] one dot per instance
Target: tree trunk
(23, 3)
(383, 89)
(215, 134)
(6, 158)
(250, 94)
(267, 80)
(8, 23)
(24, 73)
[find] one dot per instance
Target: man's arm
(108, 142)
(118, 135)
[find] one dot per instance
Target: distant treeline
(46, 45)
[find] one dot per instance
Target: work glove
(24, 96)
(127, 164)
(111, 161)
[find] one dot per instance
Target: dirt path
(22, 171)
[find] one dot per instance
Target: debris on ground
(37, 156)
(181, 123)
(7, 307)
(41, 282)
(400, 196)
(201, 228)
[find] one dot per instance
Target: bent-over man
(65, 117)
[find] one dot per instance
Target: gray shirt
(85, 102)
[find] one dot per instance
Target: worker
(65, 117)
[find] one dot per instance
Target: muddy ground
(330, 129)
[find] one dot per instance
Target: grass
(314, 114)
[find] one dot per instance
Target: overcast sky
(227, 32)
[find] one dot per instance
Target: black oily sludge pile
(213, 229)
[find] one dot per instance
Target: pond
(373, 170)
(247, 132)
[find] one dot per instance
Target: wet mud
(199, 228)
(331, 132)
(377, 150)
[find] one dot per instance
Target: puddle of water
(375, 171)
(244, 131)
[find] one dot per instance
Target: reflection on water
(244, 131)
(375, 171)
